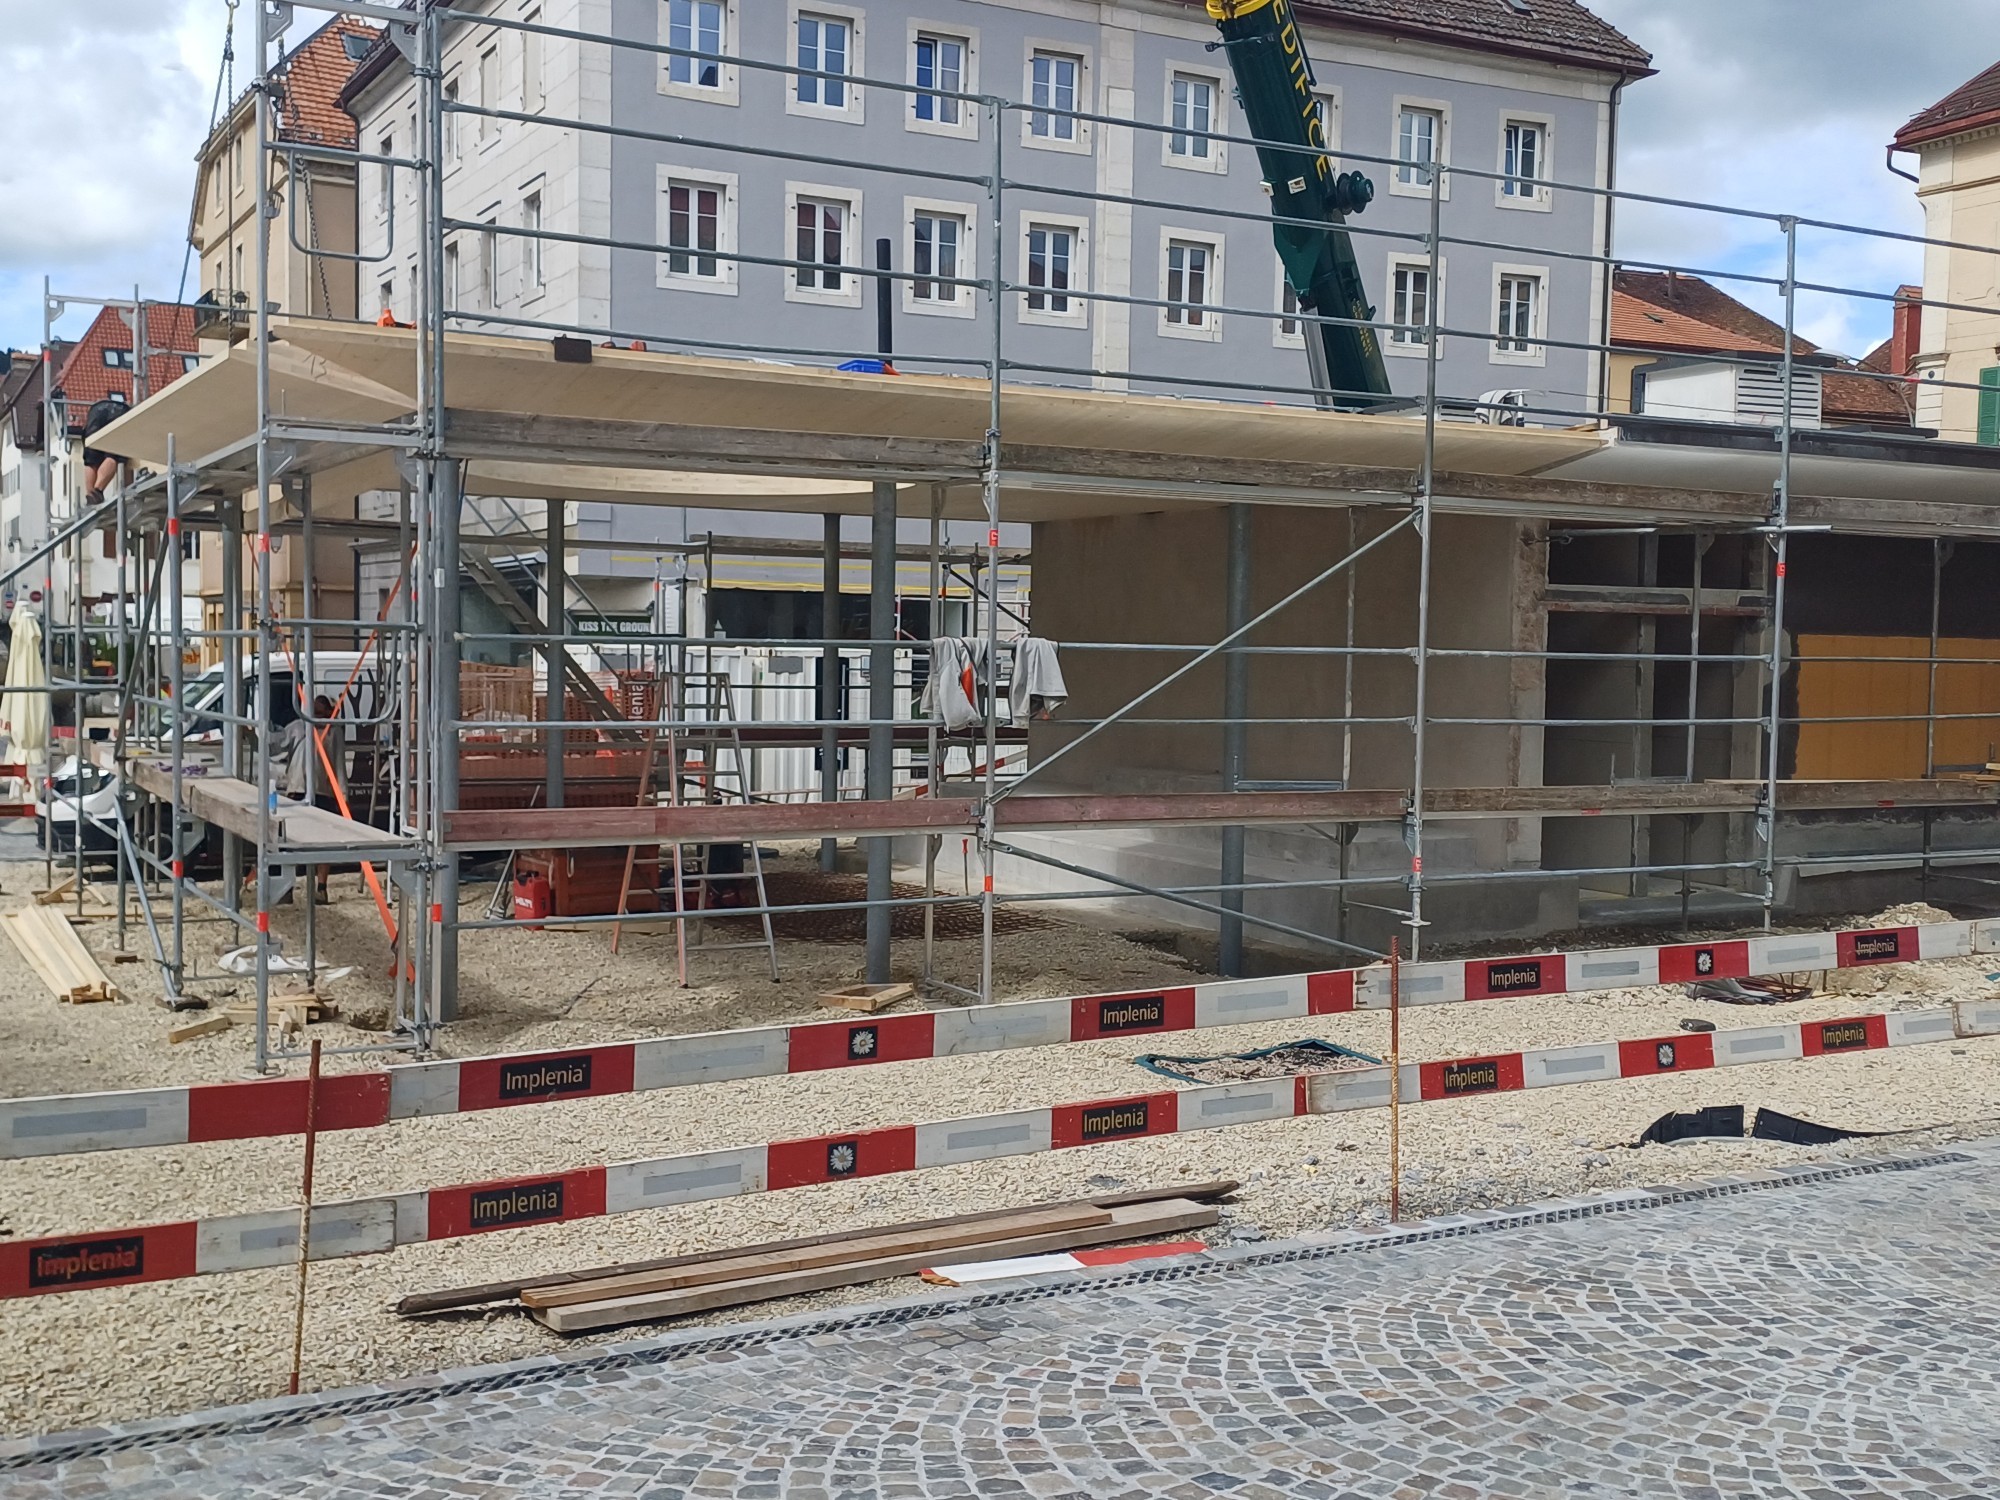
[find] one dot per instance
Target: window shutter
(1989, 406)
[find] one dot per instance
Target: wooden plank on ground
(1132, 1222)
(206, 1026)
(449, 1298)
(857, 1247)
(58, 955)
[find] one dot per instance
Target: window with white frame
(698, 227)
(1053, 259)
(531, 243)
(1326, 104)
(385, 176)
(1518, 298)
(939, 62)
(1190, 284)
(489, 264)
(1055, 82)
(1419, 145)
(387, 299)
(454, 285)
(940, 250)
(825, 227)
(825, 44)
(531, 65)
(450, 121)
(1191, 115)
(1409, 305)
(1288, 331)
(698, 26)
(1524, 163)
(489, 90)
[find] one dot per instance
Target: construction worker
(295, 757)
(99, 466)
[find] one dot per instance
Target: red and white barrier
(241, 1242)
(69, 1123)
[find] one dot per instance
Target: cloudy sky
(1772, 103)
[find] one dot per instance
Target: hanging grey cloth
(1038, 688)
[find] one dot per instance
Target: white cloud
(108, 101)
(1787, 106)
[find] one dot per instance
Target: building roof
(1555, 30)
(1667, 310)
(1970, 106)
(314, 74)
(83, 377)
(1675, 314)
(309, 80)
(21, 397)
(1559, 31)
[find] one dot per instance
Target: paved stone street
(1827, 1334)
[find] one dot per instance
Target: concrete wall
(1160, 578)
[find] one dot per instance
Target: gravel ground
(130, 1352)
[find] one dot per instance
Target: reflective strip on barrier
(93, 1122)
(244, 1111)
(372, 1225)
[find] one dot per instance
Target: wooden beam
(604, 441)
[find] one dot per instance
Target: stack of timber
(57, 955)
(683, 1285)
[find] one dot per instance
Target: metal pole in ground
(1395, 1079)
(1235, 708)
(305, 1217)
(556, 587)
(1426, 516)
(177, 677)
(830, 695)
(934, 750)
(1781, 519)
(881, 672)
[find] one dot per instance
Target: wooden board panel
(1138, 1221)
(856, 1249)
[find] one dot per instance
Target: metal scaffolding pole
(555, 588)
(1781, 517)
(1235, 709)
(1426, 526)
(831, 698)
(266, 638)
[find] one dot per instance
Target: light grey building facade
(739, 200)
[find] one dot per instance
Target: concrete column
(1235, 734)
(829, 676)
(881, 709)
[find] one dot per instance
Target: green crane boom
(1274, 80)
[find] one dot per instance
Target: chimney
(1906, 335)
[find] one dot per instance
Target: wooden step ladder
(708, 766)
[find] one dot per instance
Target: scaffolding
(222, 768)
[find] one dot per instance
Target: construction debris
(1287, 1059)
(748, 1278)
(983, 1224)
(866, 998)
(207, 1026)
(1762, 990)
(58, 956)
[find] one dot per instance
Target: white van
(363, 684)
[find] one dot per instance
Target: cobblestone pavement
(1826, 1333)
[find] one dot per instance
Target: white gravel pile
(128, 1352)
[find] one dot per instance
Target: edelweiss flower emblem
(861, 1042)
(840, 1159)
(1665, 1054)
